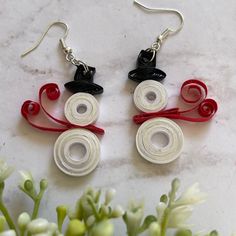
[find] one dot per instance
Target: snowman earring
(151, 98)
(81, 111)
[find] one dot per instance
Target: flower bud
(175, 184)
(5, 172)
(43, 184)
(8, 233)
(154, 229)
(28, 185)
(214, 233)
(105, 210)
(38, 226)
(110, 194)
(23, 220)
(164, 198)
(61, 215)
(103, 228)
(75, 228)
(91, 220)
(118, 211)
(52, 228)
(27, 180)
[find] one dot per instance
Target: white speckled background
(109, 36)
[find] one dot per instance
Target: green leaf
(147, 221)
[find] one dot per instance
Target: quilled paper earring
(151, 98)
(81, 111)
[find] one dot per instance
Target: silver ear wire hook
(167, 32)
(67, 50)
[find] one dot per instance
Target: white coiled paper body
(159, 155)
(150, 96)
(81, 109)
(63, 156)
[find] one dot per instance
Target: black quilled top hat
(83, 81)
(146, 70)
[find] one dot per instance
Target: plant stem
(22, 232)
(7, 216)
(37, 202)
(91, 203)
(165, 222)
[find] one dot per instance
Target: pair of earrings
(81, 110)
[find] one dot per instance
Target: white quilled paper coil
(66, 161)
(81, 109)
(151, 152)
(150, 96)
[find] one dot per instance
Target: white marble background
(109, 35)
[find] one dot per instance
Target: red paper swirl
(193, 92)
(52, 91)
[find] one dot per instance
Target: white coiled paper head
(81, 109)
(64, 159)
(150, 96)
(151, 152)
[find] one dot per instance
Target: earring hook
(62, 40)
(67, 50)
(169, 31)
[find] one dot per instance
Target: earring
(151, 98)
(146, 62)
(81, 111)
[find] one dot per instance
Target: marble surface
(109, 35)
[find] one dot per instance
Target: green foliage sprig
(93, 214)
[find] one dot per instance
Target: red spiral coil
(192, 91)
(31, 108)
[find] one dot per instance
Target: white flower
(191, 196)
(133, 216)
(103, 228)
(23, 220)
(38, 226)
(52, 228)
(154, 229)
(25, 176)
(8, 233)
(178, 217)
(110, 194)
(5, 170)
(117, 211)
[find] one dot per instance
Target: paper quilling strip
(192, 92)
(75, 130)
(159, 155)
(81, 109)
(32, 108)
(150, 96)
(64, 159)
